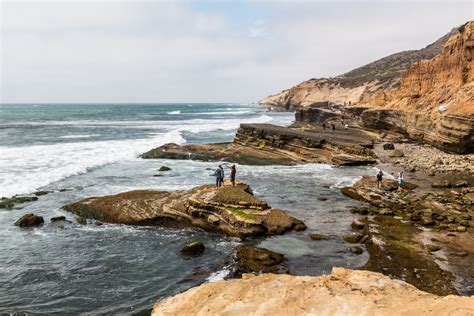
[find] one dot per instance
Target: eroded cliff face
(435, 100)
(343, 292)
(352, 86)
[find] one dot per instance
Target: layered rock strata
(344, 291)
(266, 143)
(233, 211)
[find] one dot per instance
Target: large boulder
(193, 248)
(233, 211)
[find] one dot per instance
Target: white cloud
(157, 51)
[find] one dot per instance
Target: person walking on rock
(379, 179)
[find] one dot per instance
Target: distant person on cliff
(333, 126)
(324, 125)
(219, 174)
(379, 179)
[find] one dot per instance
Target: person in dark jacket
(233, 172)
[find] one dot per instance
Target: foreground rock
(29, 220)
(233, 211)
(271, 144)
(343, 292)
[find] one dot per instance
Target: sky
(200, 51)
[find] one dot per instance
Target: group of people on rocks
(219, 174)
(400, 179)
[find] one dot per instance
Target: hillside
(353, 85)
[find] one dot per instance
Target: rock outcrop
(343, 292)
(267, 144)
(29, 220)
(429, 99)
(233, 211)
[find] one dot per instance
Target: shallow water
(115, 269)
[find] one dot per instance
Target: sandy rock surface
(344, 292)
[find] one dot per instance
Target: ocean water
(83, 150)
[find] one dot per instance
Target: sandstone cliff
(353, 85)
(435, 100)
(343, 292)
(431, 101)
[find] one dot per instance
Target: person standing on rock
(219, 176)
(400, 179)
(233, 172)
(379, 179)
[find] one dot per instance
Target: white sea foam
(79, 136)
(218, 275)
(24, 169)
(174, 112)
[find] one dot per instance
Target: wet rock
(461, 184)
(29, 220)
(9, 203)
(193, 248)
(356, 250)
(164, 168)
(441, 184)
(322, 199)
(58, 218)
(158, 175)
(353, 238)
(427, 219)
(81, 220)
(41, 193)
(386, 211)
(97, 223)
(299, 226)
(388, 146)
(397, 153)
(358, 224)
(433, 248)
(256, 259)
(315, 236)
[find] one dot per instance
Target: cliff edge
(343, 292)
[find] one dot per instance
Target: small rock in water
(58, 218)
(81, 220)
(315, 236)
(353, 238)
(40, 193)
(29, 220)
(164, 168)
(193, 248)
(356, 250)
(322, 199)
(157, 175)
(358, 224)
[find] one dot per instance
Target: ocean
(83, 150)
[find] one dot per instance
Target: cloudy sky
(200, 51)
